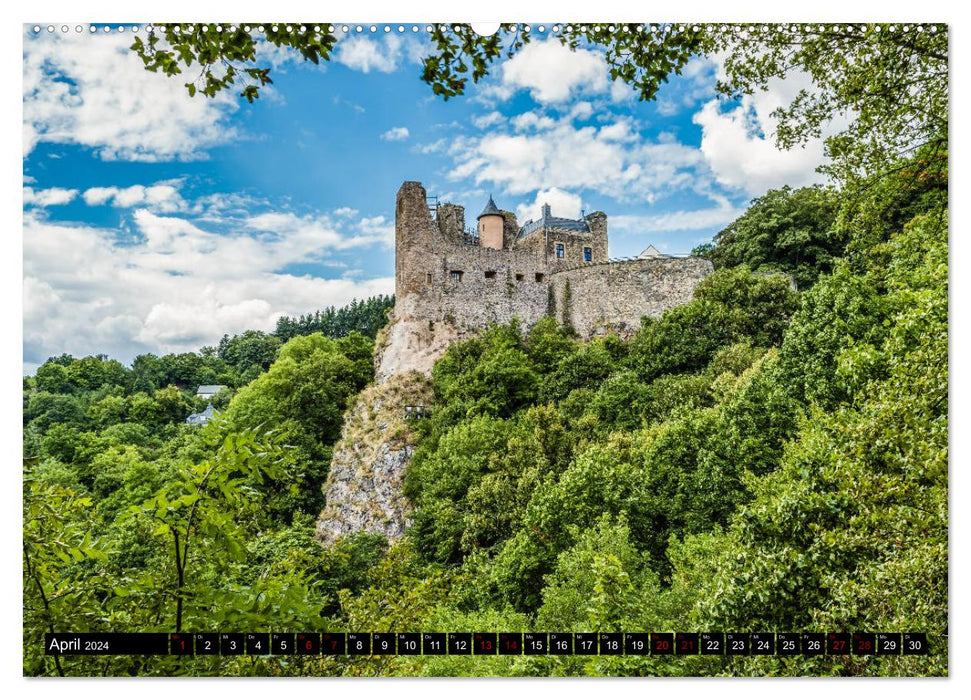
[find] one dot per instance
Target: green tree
(57, 541)
(248, 349)
(729, 306)
(786, 230)
(833, 537)
(53, 377)
(91, 373)
(303, 395)
(366, 317)
(601, 583)
(204, 511)
(43, 410)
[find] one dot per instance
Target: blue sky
(156, 222)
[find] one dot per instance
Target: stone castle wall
(447, 288)
(495, 285)
(614, 296)
(439, 277)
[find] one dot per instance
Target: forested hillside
(771, 456)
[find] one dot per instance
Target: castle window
(587, 255)
(428, 278)
(455, 275)
(539, 276)
(520, 276)
(560, 250)
(490, 274)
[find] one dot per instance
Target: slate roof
(490, 209)
(201, 418)
(209, 388)
(651, 252)
(547, 220)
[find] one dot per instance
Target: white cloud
(618, 131)
(667, 107)
(220, 205)
(177, 286)
(580, 111)
(544, 153)
(382, 54)
(562, 203)
(532, 121)
(94, 91)
(280, 58)
(739, 143)
(397, 133)
(553, 73)
(621, 91)
(49, 197)
(696, 83)
(484, 121)
(159, 197)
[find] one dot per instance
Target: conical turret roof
(490, 209)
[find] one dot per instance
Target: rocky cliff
(364, 486)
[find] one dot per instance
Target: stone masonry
(452, 279)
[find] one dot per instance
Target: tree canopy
(787, 230)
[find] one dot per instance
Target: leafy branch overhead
(888, 83)
(223, 53)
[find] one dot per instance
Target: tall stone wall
(614, 296)
(440, 277)
(494, 286)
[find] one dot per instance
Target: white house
(207, 391)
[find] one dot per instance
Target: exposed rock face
(364, 486)
(412, 346)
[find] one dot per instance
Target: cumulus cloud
(553, 73)
(696, 83)
(308, 236)
(484, 121)
(397, 133)
(381, 54)
(621, 91)
(178, 285)
(562, 203)
(739, 143)
(540, 152)
(49, 197)
(159, 197)
(94, 91)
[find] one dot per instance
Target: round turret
(490, 226)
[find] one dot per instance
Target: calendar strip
(488, 643)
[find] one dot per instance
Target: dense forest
(770, 456)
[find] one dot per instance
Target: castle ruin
(452, 280)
